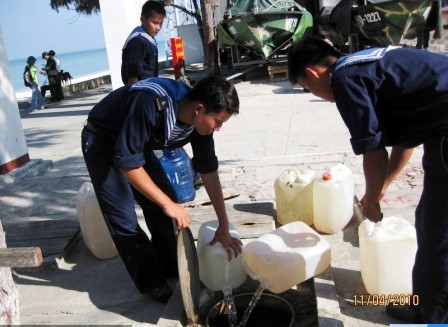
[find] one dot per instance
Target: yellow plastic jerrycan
(387, 254)
(294, 195)
(93, 227)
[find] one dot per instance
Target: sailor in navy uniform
(140, 56)
(395, 97)
(118, 140)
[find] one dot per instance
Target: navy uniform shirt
(132, 122)
(139, 58)
(401, 99)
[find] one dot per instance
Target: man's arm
(399, 157)
(213, 187)
(145, 185)
(375, 165)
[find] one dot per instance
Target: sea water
(79, 64)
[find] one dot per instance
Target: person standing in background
(139, 59)
(59, 77)
(44, 87)
(36, 96)
(52, 75)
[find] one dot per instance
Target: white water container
(387, 255)
(294, 195)
(93, 227)
(215, 271)
(333, 195)
(286, 256)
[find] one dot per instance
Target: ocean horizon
(78, 63)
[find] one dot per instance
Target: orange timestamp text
(386, 299)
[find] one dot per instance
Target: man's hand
(371, 210)
(146, 186)
(229, 243)
(379, 172)
(375, 164)
(179, 214)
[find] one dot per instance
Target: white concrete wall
(119, 19)
(193, 50)
(12, 138)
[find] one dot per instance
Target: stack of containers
(325, 202)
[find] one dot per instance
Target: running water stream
(231, 309)
(251, 306)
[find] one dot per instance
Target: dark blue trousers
(430, 273)
(148, 262)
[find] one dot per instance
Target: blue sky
(30, 27)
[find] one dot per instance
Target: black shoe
(404, 313)
(161, 294)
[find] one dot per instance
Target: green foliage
(86, 7)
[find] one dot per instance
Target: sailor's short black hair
(153, 7)
(216, 94)
(308, 51)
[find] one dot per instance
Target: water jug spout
(227, 290)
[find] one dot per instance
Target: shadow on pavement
(100, 287)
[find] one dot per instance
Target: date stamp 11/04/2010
(385, 299)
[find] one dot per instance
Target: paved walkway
(278, 127)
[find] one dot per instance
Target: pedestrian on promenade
(393, 97)
(36, 97)
(139, 59)
(52, 75)
(118, 141)
(59, 77)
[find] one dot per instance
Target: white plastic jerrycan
(387, 255)
(215, 271)
(333, 195)
(93, 227)
(286, 256)
(294, 195)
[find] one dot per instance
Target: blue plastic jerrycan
(177, 166)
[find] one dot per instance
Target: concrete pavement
(278, 127)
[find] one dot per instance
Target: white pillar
(13, 148)
(119, 19)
